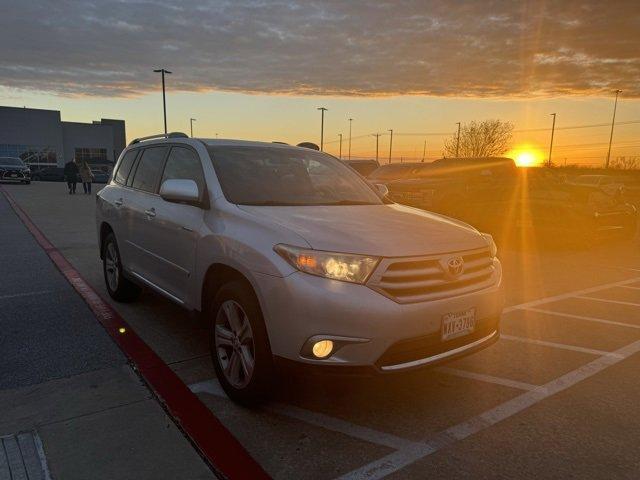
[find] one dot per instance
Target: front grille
(15, 174)
(422, 279)
(427, 346)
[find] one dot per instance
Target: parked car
(363, 167)
(494, 195)
(13, 169)
(50, 174)
(395, 171)
(605, 182)
(99, 176)
(294, 260)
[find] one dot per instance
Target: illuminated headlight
(493, 249)
(337, 266)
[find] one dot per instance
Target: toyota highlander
(293, 258)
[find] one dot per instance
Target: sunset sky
(259, 70)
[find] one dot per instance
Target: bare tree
(626, 163)
(488, 138)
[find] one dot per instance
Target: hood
(380, 230)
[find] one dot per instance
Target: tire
(233, 345)
(119, 287)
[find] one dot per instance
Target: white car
(293, 258)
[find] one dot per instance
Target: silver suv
(293, 258)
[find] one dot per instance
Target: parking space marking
(25, 294)
(629, 287)
(488, 378)
(606, 300)
(397, 460)
(582, 317)
(318, 419)
(564, 296)
(562, 346)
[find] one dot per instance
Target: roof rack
(160, 135)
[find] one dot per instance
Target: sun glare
(526, 156)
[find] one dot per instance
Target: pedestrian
(86, 175)
(71, 175)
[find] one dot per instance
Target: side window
(149, 169)
(184, 164)
(125, 167)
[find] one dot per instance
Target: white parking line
(397, 460)
(320, 420)
(564, 296)
(488, 378)
(606, 300)
(562, 346)
(582, 317)
(629, 287)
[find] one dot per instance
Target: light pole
(390, 143)
(458, 141)
(424, 151)
(377, 135)
(322, 110)
(191, 120)
(613, 121)
(350, 120)
(164, 101)
(553, 129)
(340, 154)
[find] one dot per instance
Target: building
(40, 138)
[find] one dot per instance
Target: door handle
(150, 213)
(118, 202)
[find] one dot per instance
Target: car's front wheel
(239, 344)
(118, 286)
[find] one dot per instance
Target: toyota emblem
(455, 266)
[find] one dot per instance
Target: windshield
(287, 176)
(11, 161)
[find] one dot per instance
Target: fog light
(322, 349)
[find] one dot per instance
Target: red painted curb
(221, 450)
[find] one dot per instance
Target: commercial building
(40, 138)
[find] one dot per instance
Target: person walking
(71, 175)
(86, 176)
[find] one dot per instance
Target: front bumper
(15, 176)
(301, 306)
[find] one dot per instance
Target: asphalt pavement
(556, 397)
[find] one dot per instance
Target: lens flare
(527, 156)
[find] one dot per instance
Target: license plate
(14, 175)
(457, 324)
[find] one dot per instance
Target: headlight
(337, 266)
(493, 249)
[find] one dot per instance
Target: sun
(526, 156)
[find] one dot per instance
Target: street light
(191, 120)
(350, 120)
(553, 129)
(377, 135)
(340, 154)
(390, 143)
(458, 141)
(164, 101)
(322, 110)
(613, 121)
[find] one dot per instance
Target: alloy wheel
(234, 344)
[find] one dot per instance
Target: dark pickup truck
(495, 195)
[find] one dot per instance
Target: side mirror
(180, 191)
(382, 189)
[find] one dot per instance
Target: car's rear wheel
(239, 344)
(118, 286)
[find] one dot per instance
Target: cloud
(355, 48)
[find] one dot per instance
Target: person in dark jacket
(71, 174)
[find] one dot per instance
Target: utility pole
(340, 155)
(424, 151)
(164, 101)
(322, 110)
(350, 120)
(613, 121)
(458, 141)
(553, 129)
(390, 143)
(377, 135)
(191, 120)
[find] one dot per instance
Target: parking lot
(554, 398)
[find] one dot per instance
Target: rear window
(149, 169)
(125, 167)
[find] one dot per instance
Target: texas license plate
(457, 324)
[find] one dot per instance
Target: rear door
(172, 235)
